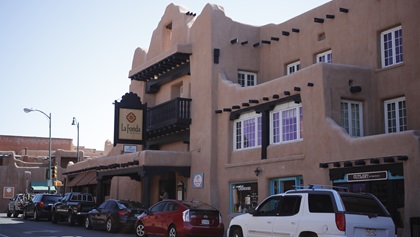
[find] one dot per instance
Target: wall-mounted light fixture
(258, 171)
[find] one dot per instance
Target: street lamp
(26, 110)
(75, 122)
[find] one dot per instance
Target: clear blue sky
(71, 58)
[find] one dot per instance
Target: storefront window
(244, 197)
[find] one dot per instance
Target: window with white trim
(395, 115)
(293, 67)
(247, 131)
(391, 47)
(286, 123)
(352, 117)
(324, 57)
(247, 78)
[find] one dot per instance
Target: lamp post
(26, 110)
(75, 122)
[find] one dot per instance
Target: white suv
(314, 213)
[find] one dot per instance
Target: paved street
(18, 227)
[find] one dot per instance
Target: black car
(40, 206)
(114, 214)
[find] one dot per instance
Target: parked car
(315, 212)
(114, 215)
(175, 218)
(40, 206)
(74, 206)
(15, 205)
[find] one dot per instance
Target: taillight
(123, 213)
(220, 218)
(186, 216)
(340, 221)
(41, 204)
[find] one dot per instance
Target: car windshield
(196, 205)
(50, 198)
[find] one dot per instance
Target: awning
(39, 186)
(83, 179)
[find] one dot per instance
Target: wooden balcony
(169, 117)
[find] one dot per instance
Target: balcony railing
(169, 117)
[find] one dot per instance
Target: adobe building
(24, 164)
(239, 112)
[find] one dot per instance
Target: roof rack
(320, 186)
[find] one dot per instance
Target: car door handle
(268, 222)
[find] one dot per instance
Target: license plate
(205, 222)
(371, 232)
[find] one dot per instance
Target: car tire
(88, 223)
(54, 217)
(15, 213)
(36, 215)
(172, 231)
(9, 213)
(110, 225)
(237, 232)
(70, 218)
(140, 230)
(25, 215)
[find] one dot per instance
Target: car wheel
(237, 232)
(70, 219)
(88, 224)
(110, 227)
(54, 217)
(140, 230)
(25, 215)
(15, 213)
(36, 215)
(172, 231)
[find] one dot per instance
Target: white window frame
(396, 52)
(324, 57)
(293, 67)
(249, 78)
(241, 145)
(353, 117)
(299, 123)
(397, 117)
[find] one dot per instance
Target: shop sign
(367, 176)
(8, 192)
(130, 120)
(198, 180)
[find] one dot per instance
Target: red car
(175, 218)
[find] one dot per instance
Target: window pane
(289, 125)
(276, 127)
(249, 133)
(238, 135)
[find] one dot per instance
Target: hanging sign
(130, 120)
